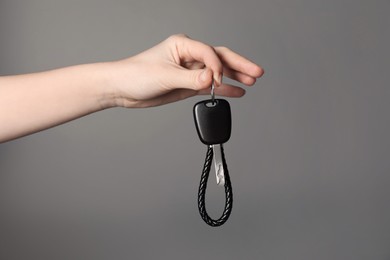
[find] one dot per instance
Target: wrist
(117, 78)
(104, 90)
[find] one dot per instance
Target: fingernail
(203, 76)
(218, 80)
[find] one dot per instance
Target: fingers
(190, 79)
(238, 76)
(191, 50)
(180, 94)
(225, 90)
(235, 62)
(221, 60)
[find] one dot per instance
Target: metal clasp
(218, 164)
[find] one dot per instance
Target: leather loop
(203, 186)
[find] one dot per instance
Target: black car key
(213, 121)
(213, 124)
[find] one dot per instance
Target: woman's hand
(178, 68)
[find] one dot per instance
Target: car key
(213, 124)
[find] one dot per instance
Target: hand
(178, 68)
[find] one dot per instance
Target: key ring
(212, 92)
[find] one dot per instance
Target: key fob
(213, 121)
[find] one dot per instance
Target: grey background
(308, 156)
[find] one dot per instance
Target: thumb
(195, 79)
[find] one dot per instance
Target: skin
(175, 69)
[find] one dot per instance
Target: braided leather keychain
(213, 124)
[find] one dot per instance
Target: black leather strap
(203, 186)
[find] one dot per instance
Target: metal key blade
(218, 164)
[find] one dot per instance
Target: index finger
(189, 49)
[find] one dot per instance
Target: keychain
(213, 124)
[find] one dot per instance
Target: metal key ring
(212, 92)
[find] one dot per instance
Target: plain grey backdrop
(308, 156)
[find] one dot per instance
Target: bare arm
(175, 69)
(32, 102)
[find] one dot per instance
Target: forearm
(33, 102)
